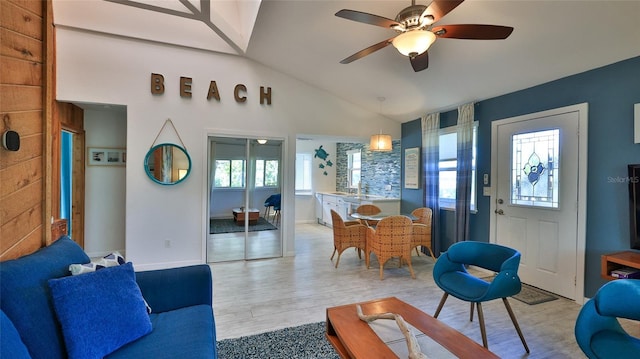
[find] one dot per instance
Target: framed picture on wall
(100, 156)
(412, 168)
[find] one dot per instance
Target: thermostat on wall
(11, 140)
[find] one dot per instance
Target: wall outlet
(167, 243)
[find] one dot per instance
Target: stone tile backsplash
(379, 169)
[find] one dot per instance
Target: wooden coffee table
(354, 338)
(238, 215)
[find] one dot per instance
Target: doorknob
(499, 211)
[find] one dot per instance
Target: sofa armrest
(175, 288)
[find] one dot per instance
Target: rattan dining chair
(422, 230)
(391, 238)
(368, 209)
(346, 235)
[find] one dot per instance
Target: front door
(537, 177)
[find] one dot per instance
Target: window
(229, 173)
(447, 165)
(535, 168)
(353, 167)
(303, 173)
(267, 173)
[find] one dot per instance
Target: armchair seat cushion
(463, 286)
(184, 333)
(615, 344)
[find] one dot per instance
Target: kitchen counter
(346, 203)
(350, 197)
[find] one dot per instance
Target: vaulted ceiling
(304, 39)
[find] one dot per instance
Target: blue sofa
(181, 323)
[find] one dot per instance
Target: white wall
(306, 204)
(105, 188)
(97, 68)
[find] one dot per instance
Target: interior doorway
(243, 174)
(538, 168)
(68, 184)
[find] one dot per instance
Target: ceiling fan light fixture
(414, 42)
(380, 143)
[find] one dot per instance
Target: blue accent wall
(611, 91)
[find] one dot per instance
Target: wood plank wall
(26, 98)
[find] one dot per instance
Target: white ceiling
(303, 38)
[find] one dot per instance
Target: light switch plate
(486, 191)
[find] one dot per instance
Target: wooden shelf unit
(618, 260)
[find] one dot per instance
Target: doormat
(227, 225)
(530, 295)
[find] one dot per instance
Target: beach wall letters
(239, 91)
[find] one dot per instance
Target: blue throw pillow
(99, 312)
(110, 260)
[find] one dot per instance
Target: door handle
(499, 211)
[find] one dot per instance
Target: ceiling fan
(416, 30)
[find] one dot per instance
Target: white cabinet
(346, 204)
(328, 203)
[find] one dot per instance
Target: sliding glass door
(243, 174)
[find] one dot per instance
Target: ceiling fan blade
(367, 18)
(420, 62)
(369, 50)
(473, 32)
(440, 8)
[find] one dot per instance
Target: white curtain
(464, 170)
(431, 173)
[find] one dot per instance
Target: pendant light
(380, 142)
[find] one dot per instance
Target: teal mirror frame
(172, 168)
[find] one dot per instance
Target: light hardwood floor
(256, 296)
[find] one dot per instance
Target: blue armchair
(272, 201)
(598, 331)
(450, 274)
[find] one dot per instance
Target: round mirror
(167, 164)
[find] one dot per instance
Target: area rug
(227, 225)
(530, 295)
(301, 342)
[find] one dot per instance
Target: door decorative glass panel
(535, 168)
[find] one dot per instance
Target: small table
(618, 260)
(238, 215)
(353, 338)
(379, 216)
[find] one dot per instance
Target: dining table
(379, 216)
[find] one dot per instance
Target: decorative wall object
(412, 168)
(99, 156)
(167, 163)
(323, 155)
